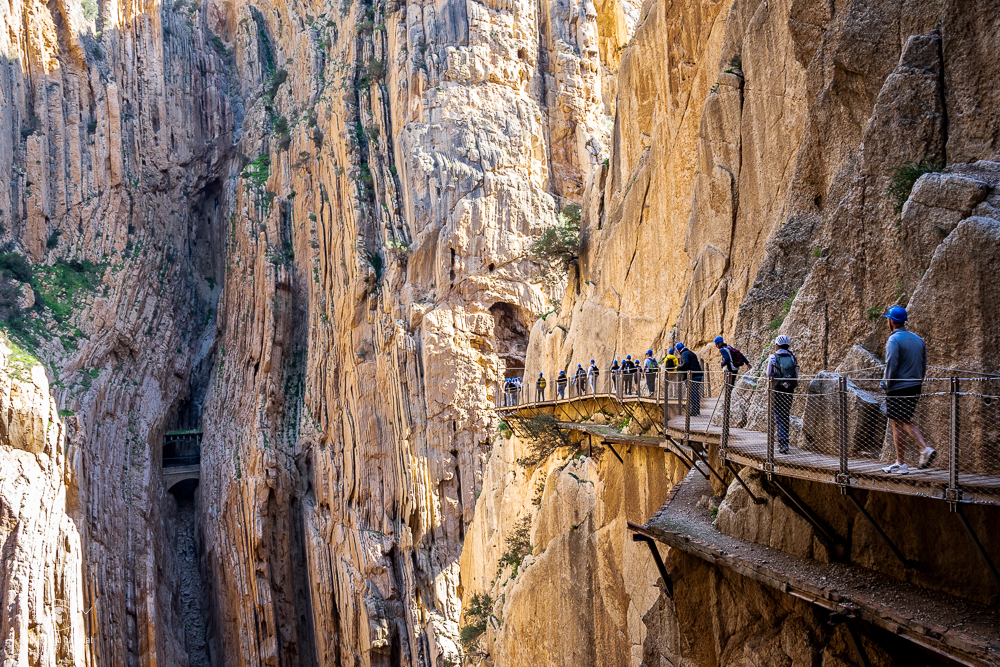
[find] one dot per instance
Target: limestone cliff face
(117, 119)
(748, 188)
(41, 609)
(748, 193)
(398, 161)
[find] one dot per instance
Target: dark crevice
(191, 589)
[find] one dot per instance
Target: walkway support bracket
(611, 447)
(651, 543)
(680, 454)
(907, 562)
(756, 499)
(957, 509)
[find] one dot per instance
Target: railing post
(844, 477)
(727, 391)
(666, 403)
(769, 465)
(687, 411)
(954, 492)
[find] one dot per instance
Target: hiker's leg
(914, 432)
(898, 440)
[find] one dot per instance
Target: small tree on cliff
(559, 245)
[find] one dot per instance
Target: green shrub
(15, 265)
(905, 176)
(258, 170)
(220, 46)
(543, 436)
(559, 245)
(89, 9)
(278, 78)
(477, 618)
(518, 546)
(785, 309)
(64, 284)
(53, 239)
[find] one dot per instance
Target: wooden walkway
(749, 448)
(955, 628)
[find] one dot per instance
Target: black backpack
(784, 371)
(737, 358)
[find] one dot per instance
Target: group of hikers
(905, 370)
(626, 376)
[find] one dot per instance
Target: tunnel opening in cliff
(191, 588)
(510, 333)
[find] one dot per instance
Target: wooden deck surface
(749, 448)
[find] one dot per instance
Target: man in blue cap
(905, 369)
(650, 368)
(691, 364)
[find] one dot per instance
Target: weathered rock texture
(42, 600)
(304, 227)
(580, 596)
(749, 193)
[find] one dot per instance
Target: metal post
(769, 465)
(954, 491)
(727, 391)
(687, 411)
(844, 477)
(666, 403)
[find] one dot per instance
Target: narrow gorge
(265, 268)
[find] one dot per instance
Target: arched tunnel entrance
(510, 334)
(191, 594)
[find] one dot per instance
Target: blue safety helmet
(579, 365)
(670, 351)
(649, 353)
(628, 356)
(897, 314)
(679, 346)
(719, 340)
(562, 372)
(539, 375)
(591, 361)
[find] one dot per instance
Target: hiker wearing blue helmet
(905, 369)
(628, 374)
(580, 380)
(593, 372)
(732, 358)
(540, 387)
(561, 382)
(690, 364)
(650, 368)
(615, 372)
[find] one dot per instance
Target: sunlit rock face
(303, 229)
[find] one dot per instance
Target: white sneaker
(927, 458)
(896, 469)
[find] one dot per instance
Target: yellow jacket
(670, 362)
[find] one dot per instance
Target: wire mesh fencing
(851, 431)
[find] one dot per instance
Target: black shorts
(901, 403)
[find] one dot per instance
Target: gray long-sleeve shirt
(905, 360)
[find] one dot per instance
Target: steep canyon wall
(303, 228)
